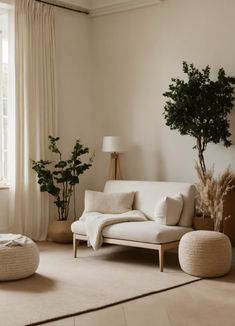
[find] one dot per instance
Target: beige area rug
(64, 286)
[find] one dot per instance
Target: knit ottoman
(205, 253)
(19, 257)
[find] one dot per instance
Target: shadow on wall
(138, 164)
(232, 125)
(160, 167)
(93, 180)
(132, 163)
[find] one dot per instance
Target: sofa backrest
(149, 192)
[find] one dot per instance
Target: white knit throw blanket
(12, 240)
(95, 223)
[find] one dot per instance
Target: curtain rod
(60, 5)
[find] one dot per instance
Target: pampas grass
(211, 193)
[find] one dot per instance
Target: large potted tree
(200, 107)
(59, 178)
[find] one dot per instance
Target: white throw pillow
(168, 210)
(108, 203)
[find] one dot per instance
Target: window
(6, 92)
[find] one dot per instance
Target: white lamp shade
(113, 144)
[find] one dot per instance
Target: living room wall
(135, 54)
(74, 78)
(112, 71)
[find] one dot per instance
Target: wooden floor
(209, 302)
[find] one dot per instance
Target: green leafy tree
(200, 107)
(60, 178)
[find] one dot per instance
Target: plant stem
(69, 198)
(201, 148)
(66, 201)
(58, 212)
(67, 208)
(74, 202)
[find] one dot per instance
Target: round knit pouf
(19, 258)
(205, 253)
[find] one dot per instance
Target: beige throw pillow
(108, 203)
(168, 210)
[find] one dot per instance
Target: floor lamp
(114, 146)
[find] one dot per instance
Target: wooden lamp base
(114, 167)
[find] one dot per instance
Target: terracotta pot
(60, 231)
(203, 223)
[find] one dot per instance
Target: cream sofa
(147, 234)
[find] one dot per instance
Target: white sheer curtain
(35, 113)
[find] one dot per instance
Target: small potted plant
(59, 178)
(200, 107)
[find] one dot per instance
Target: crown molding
(80, 6)
(122, 6)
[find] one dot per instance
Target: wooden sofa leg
(75, 245)
(161, 258)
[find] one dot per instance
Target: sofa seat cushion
(147, 231)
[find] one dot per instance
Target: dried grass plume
(211, 193)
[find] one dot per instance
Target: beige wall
(75, 115)
(112, 71)
(135, 55)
